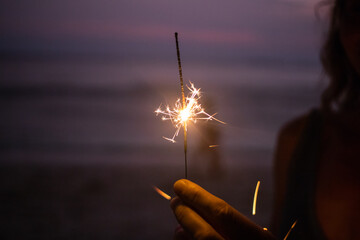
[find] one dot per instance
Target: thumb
(220, 215)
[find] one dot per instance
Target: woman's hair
(343, 89)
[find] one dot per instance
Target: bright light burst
(180, 116)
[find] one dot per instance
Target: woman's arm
(287, 141)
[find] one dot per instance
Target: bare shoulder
(291, 131)
(287, 140)
(294, 126)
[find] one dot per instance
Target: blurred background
(80, 145)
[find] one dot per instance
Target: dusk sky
(133, 28)
(262, 44)
(81, 79)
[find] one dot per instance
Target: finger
(192, 223)
(223, 218)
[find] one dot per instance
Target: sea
(81, 146)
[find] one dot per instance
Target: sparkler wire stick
(183, 99)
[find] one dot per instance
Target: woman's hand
(204, 216)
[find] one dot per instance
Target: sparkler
(183, 114)
(188, 109)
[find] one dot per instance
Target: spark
(255, 198)
(180, 116)
(161, 193)
(213, 146)
(290, 230)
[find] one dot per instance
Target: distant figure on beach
(317, 160)
(207, 152)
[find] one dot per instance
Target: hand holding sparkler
(204, 216)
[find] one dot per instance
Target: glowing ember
(265, 229)
(213, 146)
(290, 230)
(180, 116)
(161, 193)
(255, 198)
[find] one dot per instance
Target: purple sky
(134, 27)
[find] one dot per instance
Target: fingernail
(179, 230)
(181, 234)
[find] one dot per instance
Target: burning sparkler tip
(188, 111)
